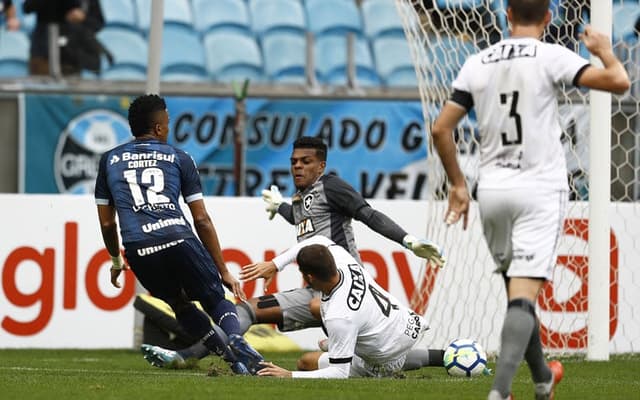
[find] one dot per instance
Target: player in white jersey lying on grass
(323, 204)
(522, 187)
(370, 332)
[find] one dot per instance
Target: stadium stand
(451, 51)
(176, 12)
(381, 18)
(14, 54)
(119, 13)
(331, 60)
(129, 49)
(285, 56)
(460, 4)
(27, 21)
(333, 16)
(182, 52)
(277, 15)
(220, 15)
(624, 17)
(393, 61)
(231, 55)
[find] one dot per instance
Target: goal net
(465, 299)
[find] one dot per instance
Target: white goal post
(578, 315)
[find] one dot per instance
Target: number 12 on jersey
(153, 178)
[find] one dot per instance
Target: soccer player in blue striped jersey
(141, 181)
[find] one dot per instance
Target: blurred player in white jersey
(522, 188)
(370, 332)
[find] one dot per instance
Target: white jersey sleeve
(342, 343)
(290, 255)
(563, 65)
(462, 81)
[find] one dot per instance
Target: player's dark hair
(528, 12)
(142, 113)
(316, 260)
(310, 142)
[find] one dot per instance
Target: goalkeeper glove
(273, 198)
(424, 249)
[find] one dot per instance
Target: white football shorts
(522, 228)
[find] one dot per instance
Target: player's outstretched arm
(613, 77)
(270, 369)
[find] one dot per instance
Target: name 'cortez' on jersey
(144, 179)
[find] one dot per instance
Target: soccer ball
(465, 357)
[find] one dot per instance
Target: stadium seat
(229, 53)
(176, 12)
(277, 15)
(220, 14)
(123, 73)
(129, 49)
(624, 17)
(381, 19)
(14, 54)
(285, 56)
(393, 60)
(120, 13)
(333, 16)
(182, 52)
(331, 60)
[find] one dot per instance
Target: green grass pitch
(123, 374)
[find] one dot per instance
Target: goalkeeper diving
(323, 205)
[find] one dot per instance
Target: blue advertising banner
(379, 147)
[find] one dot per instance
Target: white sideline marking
(102, 371)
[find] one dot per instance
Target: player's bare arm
(442, 133)
(270, 369)
(207, 234)
(109, 229)
(613, 77)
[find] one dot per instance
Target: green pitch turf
(123, 374)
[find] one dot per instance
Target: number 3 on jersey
(513, 113)
(152, 179)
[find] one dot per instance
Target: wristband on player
(117, 262)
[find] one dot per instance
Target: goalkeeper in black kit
(323, 205)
